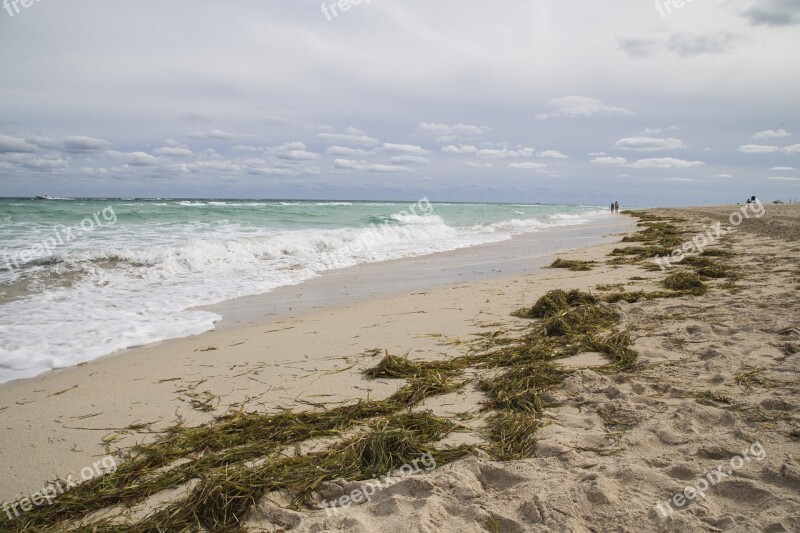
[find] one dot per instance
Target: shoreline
(133, 377)
(349, 285)
(519, 255)
(712, 380)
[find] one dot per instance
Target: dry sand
(616, 445)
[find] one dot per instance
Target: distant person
(612, 208)
(616, 207)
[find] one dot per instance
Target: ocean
(82, 278)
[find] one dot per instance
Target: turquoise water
(83, 278)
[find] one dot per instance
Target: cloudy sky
(583, 101)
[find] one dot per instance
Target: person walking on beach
(616, 207)
(612, 208)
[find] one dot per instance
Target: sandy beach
(399, 266)
(716, 378)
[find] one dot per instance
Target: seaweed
(401, 367)
(520, 388)
(685, 283)
(555, 302)
(580, 320)
(574, 265)
(513, 435)
(707, 268)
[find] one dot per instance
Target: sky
(582, 101)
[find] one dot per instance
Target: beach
(716, 378)
(399, 266)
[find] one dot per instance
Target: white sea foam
(124, 296)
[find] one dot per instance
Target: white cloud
(503, 153)
(648, 144)
(412, 159)
(210, 153)
(552, 154)
(772, 134)
(527, 165)
(247, 148)
(783, 178)
(451, 132)
(656, 131)
(782, 168)
(134, 159)
(793, 149)
(214, 166)
(293, 151)
(351, 137)
(679, 179)
(347, 152)
(254, 162)
(369, 167)
(758, 149)
(723, 176)
(460, 149)
(217, 135)
(607, 160)
(173, 151)
(478, 164)
(665, 162)
(404, 149)
(581, 106)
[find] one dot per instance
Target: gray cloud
(217, 135)
(32, 162)
(13, 145)
(774, 13)
(76, 144)
(641, 47)
(692, 44)
(194, 118)
(683, 44)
